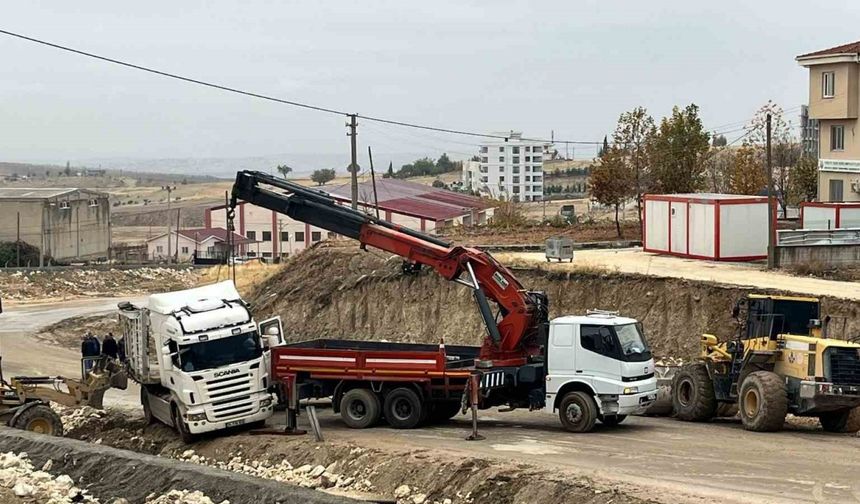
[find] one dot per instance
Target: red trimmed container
(717, 227)
(814, 215)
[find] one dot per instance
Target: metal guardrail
(806, 237)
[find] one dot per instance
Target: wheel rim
(685, 392)
(402, 408)
(573, 412)
(357, 410)
(40, 426)
(752, 402)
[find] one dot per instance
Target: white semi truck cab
(200, 358)
(601, 355)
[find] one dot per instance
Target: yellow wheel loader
(785, 359)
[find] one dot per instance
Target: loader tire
(763, 402)
(40, 419)
(693, 396)
(841, 421)
(577, 412)
(359, 408)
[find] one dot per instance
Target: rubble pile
(81, 416)
(18, 473)
(182, 497)
(67, 283)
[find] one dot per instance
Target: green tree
(323, 175)
(604, 148)
(444, 165)
(612, 182)
(633, 135)
(284, 170)
(803, 180)
(390, 173)
(677, 151)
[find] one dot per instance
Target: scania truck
(199, 358)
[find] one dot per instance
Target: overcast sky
(567, 66)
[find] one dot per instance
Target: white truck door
(561, 353)
(595, 351)
(271, 331)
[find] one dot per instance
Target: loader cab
(770, 316)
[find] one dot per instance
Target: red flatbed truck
(587, 368)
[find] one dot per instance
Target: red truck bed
(372, 360)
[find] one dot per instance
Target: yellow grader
(785, 359)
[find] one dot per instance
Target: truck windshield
(220, 352)
(632, 341)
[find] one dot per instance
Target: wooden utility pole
(353, 164)
(18, 242)
(373, 180)
(771, 225)
(178, 227)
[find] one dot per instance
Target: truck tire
(693, 394)
(147, 409)
(359, 408)
(39, 418)
(611, 420)
(763, 402)
(403, 408)
(441, 412)
(181, 427)
(577, 412)
(841, 421)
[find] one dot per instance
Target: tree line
(424, 167)
(679, 156)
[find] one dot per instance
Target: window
(501, 178)
(516, 169)
(331, 235)
(835, 190)
(528, 159)
(300, 236)
(316, 236)
(516, 180)
(501, 149)
(484, 149)
(284, 255)
(252, 253)
(285, 236)
(94, 202)
(251, 235)
(537, 158)
(210, 251)
(516, 189)
(516, 150)
(485, 159)
(501, 159)
(159, 249)
(828, 84)
(536, 168)
(537, 189)
(184, 250)
(483, 169)
(528, 149)
(536, 178)
(267, 254)
(598, 339)
(516, 160)
(837, 138)
(528, 178)
(64, 205)
(267, 236)
(484, 179)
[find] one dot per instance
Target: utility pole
(169, 238)
(18, 242)
(353, 165)
(178, 227)
(771, 225)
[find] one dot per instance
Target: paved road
(653, 457)
(741, 274)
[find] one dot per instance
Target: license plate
(235, 423)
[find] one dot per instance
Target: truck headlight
(266, 402)
(631, 390)
(196, 417)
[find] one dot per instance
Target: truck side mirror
(273, 336)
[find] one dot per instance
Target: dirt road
(654, 458)
(741, 274)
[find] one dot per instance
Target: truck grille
(230, 396)
(844, 366)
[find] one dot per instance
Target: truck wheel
(359, 408)
(40, 419)
(611, 420)
(181, 427)
(763, 402)
(841, 421)
(577, 412)
(403, 408)
(147, 409)
(441, 412)
(693, 394)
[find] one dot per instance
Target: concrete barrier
(827, 255)
(110, 473)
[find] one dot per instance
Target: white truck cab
(599, 367)
(200, 358)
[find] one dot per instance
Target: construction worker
(90, 347)
(109, 346)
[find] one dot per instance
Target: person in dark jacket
(121, 348)
(109, 346)
(90, 347)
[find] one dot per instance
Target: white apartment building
(509, 168)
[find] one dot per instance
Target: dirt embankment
(538, 233)
(341, 292)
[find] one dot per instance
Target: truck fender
(573, 386)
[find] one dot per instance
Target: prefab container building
(722, 227)
(814, 215)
